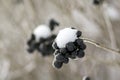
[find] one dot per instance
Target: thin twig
(100, 45)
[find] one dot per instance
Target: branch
(100, 45)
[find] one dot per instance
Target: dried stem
(109, 27)
(100, 45)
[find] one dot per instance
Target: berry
(33, 37)
(43, 49)
(73, 55)
(72, 28)
(42, 40)
(78, 42)
(63, 50)
(80, 53)
(86, 78)
(31, 40)
(66, 60)
(78, 33)
(54, 45)
(82, 46)
(53, 36)
(52, 24)
(57, 64)
(60, 58)
(97, 2)
(30, 50)
(70, 46)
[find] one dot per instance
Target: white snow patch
(42, 31)
(64, 36)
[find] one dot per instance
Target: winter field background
(101, 23)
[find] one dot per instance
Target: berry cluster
(43, 46)
(71, 50)
(42, 38)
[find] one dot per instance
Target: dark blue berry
(30, 50)
(70, 46)
(33, 37)
(80, 53)
(73, 55)
(72, 28)
(57, 64)
(42, 40)
(63, 50)
(79, 33)
(52, 24)
(31, 40)
(54, 45)
(97, 2)
(66, 60)
(53, 36)
(60, 57)
(82, 46)
(78, 42)
(87, 78)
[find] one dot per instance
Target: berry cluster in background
(70, 47)
(42, 39)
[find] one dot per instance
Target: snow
(42, 31)
(64, 36)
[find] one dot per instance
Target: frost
(42, 31)
(64, 36)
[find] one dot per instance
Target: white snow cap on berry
(64, 36)
(42, 31)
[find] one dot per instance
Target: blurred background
(101, 23)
